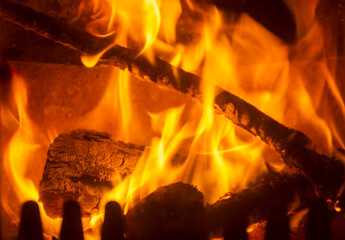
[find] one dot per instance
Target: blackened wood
(278, 223)
(319, 221)
(171, 212)
(236, 228)
(326, 174)
(82, 165)
(71, 228)
(58, 31)
(6, 75)
(254, 202)
(113, 226)
(30, 222)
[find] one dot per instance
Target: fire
(20, 156)
(127, 21)
(239, 55)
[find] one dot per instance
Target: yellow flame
(336, 206)
(20, 155)
(170, 11)
(91, 60)
(125, 20)
(152, 22)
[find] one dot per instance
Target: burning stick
(326, 174)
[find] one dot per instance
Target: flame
(287, 82)
(125, 21)
(20, 153)
(246, 59)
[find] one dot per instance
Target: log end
(81, 166)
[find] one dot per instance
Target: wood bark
(326, 174)
(82, 166)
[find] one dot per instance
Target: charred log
(254, 204)
(177, 210)
(326, 174)
(171, 212)
(81, 166)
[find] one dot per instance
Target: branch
(326, 174)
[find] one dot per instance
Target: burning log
(171, 212)
(254, 203)
(82, 166)
(326, 174)
(177, 210)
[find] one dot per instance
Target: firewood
(81, 166)
(253, 204)
(171, 212)
(326, 174)
(178, 209)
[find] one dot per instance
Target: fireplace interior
(212, 120)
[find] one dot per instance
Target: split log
(81, 166)
(326, 174)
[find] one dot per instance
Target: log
(177, 210)
(82, 166)
(254, 203)
(325, 173)
(171, 212)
